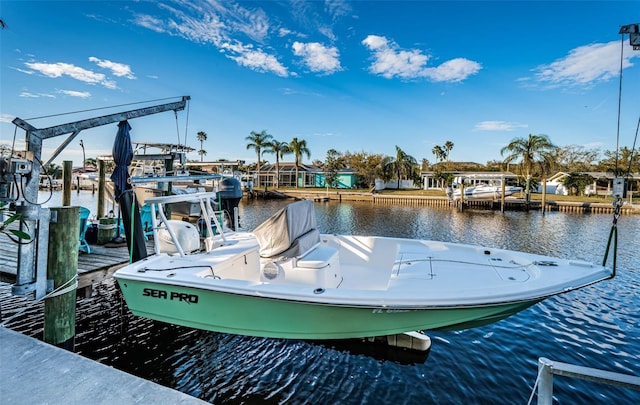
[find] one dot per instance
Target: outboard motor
(230, 193)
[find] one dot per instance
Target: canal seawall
(511, 203)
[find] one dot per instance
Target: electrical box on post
(619, 187)
(20, 166)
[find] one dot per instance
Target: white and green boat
(286, 280)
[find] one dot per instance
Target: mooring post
(67, 169)
(502, 196)
(545, 382)
(101, 188)
(544, 195)
(62, 270)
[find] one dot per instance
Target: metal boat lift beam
(27, 265)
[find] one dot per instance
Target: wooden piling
(67, 169)
(101, 188)
(544, 195)
(62, 269)
(502, 197)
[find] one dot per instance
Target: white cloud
(317, 57)
(73, 93)
(6, 118)
(26, 94)
(585, 66)
(149, 22)
(260, 61)
(118, 69)
(60, 69)
(390, 61)
(338, 8)
(498, 126)
(217, 23)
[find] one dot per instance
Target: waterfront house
(308, 176)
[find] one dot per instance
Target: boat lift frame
(31, 271)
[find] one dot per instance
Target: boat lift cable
(617, 202)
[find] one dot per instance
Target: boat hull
(277, 318)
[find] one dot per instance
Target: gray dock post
(545, 385)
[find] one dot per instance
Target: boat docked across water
(483, 191)
(287, 280)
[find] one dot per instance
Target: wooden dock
(93, 267)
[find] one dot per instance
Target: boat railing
(547, 368)
(208, 215)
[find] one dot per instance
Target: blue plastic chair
(147, 221)
(84, 219)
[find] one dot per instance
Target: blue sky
(349, 75)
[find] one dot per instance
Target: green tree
(91, 162)
(369, 167)
(299, 148)
(402, 165)
(333, 163)
(576, 183)
(621, 163)
(279, 149)
(54, 170)
(533, 151)
(257, 141)
(201, 136)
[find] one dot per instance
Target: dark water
(598, 326)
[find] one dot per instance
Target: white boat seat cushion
(318, 258)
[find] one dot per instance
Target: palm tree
(201, 136)
(257, 141)
(402, 165)
(280, 149)
(447, 147)
(298, 148)
(439, 153)
(535, 149)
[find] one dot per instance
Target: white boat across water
(287, 280)
(485, 192)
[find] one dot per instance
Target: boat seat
(186, 234)
(290, 232)
(319, 257)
